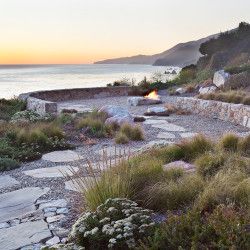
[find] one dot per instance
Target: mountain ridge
(180, 55)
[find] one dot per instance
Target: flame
(153, 95)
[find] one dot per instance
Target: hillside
(180, 55)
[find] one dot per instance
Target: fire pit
(150, 99)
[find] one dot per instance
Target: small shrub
(246, 100)
(121, 138)
(224, 228)
(9, 107)
(173, 174)
(209, 164)
(64, 118)
(7, 164)
(229, 142)
(117, 224)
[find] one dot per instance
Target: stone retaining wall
(46, 101)
(235, 113)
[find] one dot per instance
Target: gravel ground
(212, 128)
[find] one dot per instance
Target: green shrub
(7, 164)
(209, 164)
(121, 138)
(9, 107)
(224, 228)
(173, 174)
(172, 195)
(30, 116)
(238, 69)
(64, 118)
(229, 142)
(116, 224)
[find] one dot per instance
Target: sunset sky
(83, 31)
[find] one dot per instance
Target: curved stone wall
(46, 101)
(236, 113)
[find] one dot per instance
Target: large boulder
(138, 101)
(220, 77)
(180, 91)
(116, 114)
(112, 110)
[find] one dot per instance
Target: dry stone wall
(235, 113)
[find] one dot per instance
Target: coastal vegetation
(202, 209)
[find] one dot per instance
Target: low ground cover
(204, 209)
(230, 96)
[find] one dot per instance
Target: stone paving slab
(165, 135)
(7, 181)
(78, 184)
(23, 234)
(19, 203)
(169, 127)
(188, 135)
(62, 156)
(52, 172)
(153, 121)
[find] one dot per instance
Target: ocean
(17, 79)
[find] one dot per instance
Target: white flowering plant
(31, 116)
(117, 224)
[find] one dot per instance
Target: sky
(84, 31)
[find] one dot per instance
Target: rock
(49, 214)
(117, 119)
(139, 119)
(7, 181)
(112, 110)
(62, 156)
(61, 232)
(4, 225)
(49, 209)
(14, 222)
(180, 164)
(23, 235)
(165, 135)
(55, 218)
(156, 110)
(117, 115)
(52, 172)
(220, 77)
(19, 203)
(180, 91)
(62, 210)
(207, 90)
(54, 203)
(139, 101)
(53, 241)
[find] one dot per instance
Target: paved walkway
(39, 201)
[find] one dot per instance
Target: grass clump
(134, 133)
(208, 164)
(229, 142)
(196, 146)
(244, 146)
(174, 195)
(121, 138)
(7, 164)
